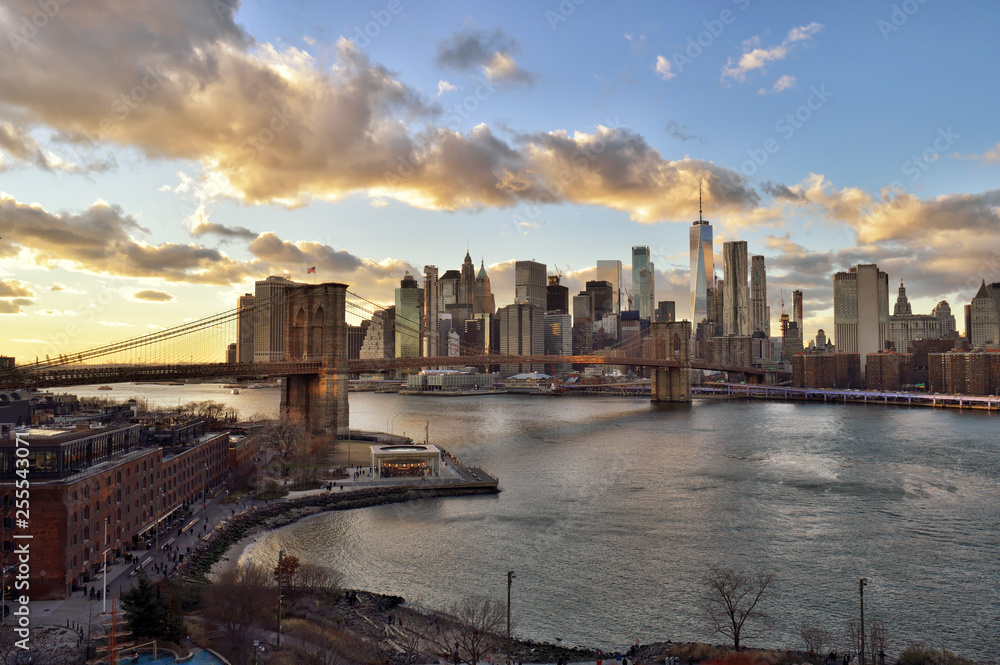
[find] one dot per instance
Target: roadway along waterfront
(612, 509)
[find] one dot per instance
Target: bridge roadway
(28, 376)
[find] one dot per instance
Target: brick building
(889, 371)
(826, 370)
(976, 373)
(97, 488)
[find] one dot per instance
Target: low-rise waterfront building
(394, 461)
(97, 488)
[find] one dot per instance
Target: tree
(475, 628)
(411, 634)
(285, 437)
(320, 579)
(143, 608)
(876, 637)
(815, 638)
(240, 597)
(284, 572)
(732, 597)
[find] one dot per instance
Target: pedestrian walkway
(78, 610)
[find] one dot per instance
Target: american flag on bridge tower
(309, 271)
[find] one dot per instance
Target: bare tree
(732, 597)
(474, 629)
(878, 640)
(320, 579)
(412, 634)
(854, 635)
(51, 645)
(815, 638)
(240, 597)
(287, 438)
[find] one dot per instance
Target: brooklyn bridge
(316, 367)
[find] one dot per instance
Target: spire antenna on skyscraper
(700, 182)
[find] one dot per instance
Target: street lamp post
(861, 593)
(510, 577)
(159, 509)
(281, 555)
(204, 488)
(104, 557)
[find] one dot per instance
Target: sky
(158, 158)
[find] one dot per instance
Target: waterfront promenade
(79, 611)
(828, 395)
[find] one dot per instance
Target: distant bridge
(316, 367)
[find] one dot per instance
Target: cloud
(491, 52)
(681, 132)
(502, 69)
(15, 289)
(468, 49)
(237, 232)
(782, 84)
(151, 295)
(99, 241)
(662, 68)
(276, 128)
(24, 150)
(991, 156)
(779, 191)
(14, 306)
(755, 58)
(445, 86)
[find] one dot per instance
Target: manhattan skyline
(157, 163)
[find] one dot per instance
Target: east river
(612, 510)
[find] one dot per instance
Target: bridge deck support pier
(670, 341)
(316, 330)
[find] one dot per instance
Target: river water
(613, 509)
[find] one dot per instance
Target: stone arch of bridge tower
(298, 331)
(316, 334)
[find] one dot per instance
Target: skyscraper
(601, 298)
(269, 319)
(245, 328)
(409, 306)
(467, 284)
(529, 284)
(642, 282)
(522, 333)
(484, 304)
(735, 295)
(559, 337)
(666, 311)
(797, 307)
(861, 310)
(557, 296)
(760, 313)
(583, 323)
(430, 322)
(702, 268)
(610, 271)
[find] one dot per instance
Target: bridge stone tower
(670, 341)
(316, 330)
